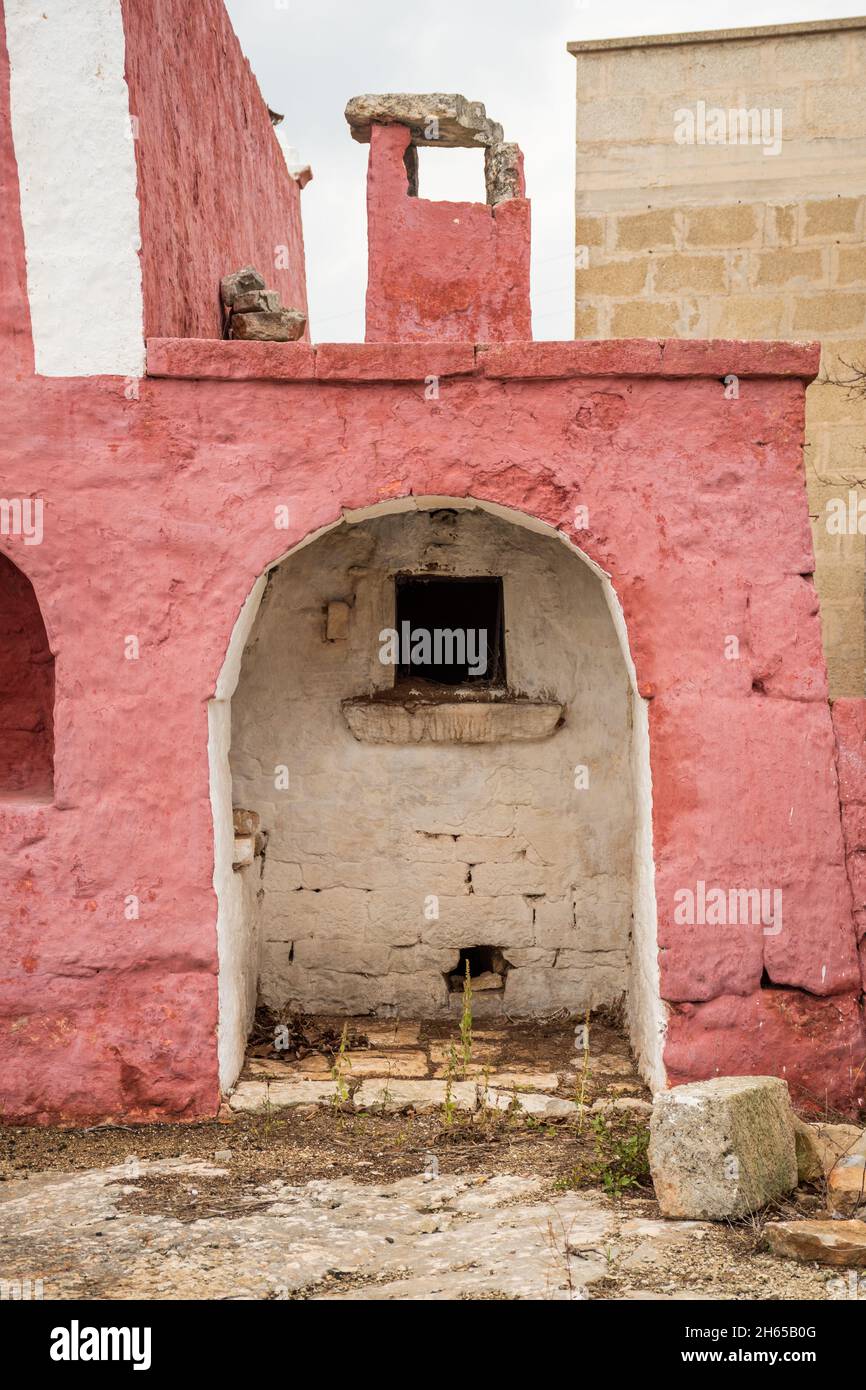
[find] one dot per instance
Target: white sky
(310, 56)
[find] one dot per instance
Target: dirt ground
(249, 1165)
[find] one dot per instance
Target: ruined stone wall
(710, 240)
(516, 855)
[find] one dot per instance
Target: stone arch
(26, 691)
(237, 967)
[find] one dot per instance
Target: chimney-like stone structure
(452, 272)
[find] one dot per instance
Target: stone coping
(214, 359)
(761, 31)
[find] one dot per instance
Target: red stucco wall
(16, 345)
(455, 272)
(160, 515)
(213, 186)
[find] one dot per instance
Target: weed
(448, 1106)
(466, 1023)
(620, 1163)
(580, 1095)
(341, 1060)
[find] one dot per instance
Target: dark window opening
(450, 631)
(26, 691)
(487, 969)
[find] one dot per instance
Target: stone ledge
(451, 721)
(759, 31)
(661, 357)
(214, 359)
(393, 361)
(219, 359)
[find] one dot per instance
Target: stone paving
(84, 1235)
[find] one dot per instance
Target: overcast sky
(310, 56)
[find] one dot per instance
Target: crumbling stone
(254, 313)
(819, 1147)
(244, 281)
(262, 1095)
(245, 822)
(448, 121)
(279, 326)
(256, 301)
(846, 1185)
(445, 119)
(392, 1097)
(542, 1107)
(503, 173)
(722, 1148)
(824, 1242)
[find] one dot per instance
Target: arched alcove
(404, 826)
(26, 691)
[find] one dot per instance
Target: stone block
(245, 822)
(617, 278)
(256, 301)
(403, 1065)
(244, 281)
(542, 1107)
(589, 231)
(523, 1081)
(737, 224)
(851, 265)
(846, 1184)
(828, 217)
(244, 851)
(393, 1097)
(722, 1148)
(822, 1242)
(820, 1146)
(830, 313)
(790, 265)
(278, 326)
(645, 231)
(277, 1095)
(699, 274)
(645, 319)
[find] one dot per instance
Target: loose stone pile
(724, 1148)
(254, 313)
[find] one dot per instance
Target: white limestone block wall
(365, 835)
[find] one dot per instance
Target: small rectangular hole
(451, 631)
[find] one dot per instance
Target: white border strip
(72, 134)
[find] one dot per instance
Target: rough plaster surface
(692, 509)
(456, 272)
(79, 205)
(214, 188)
(365, 834)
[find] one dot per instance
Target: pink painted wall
(161, 516)
(449, 272)
(213, 186)
(16, 344)
(849, 723)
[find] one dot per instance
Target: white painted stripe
(79, 203)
